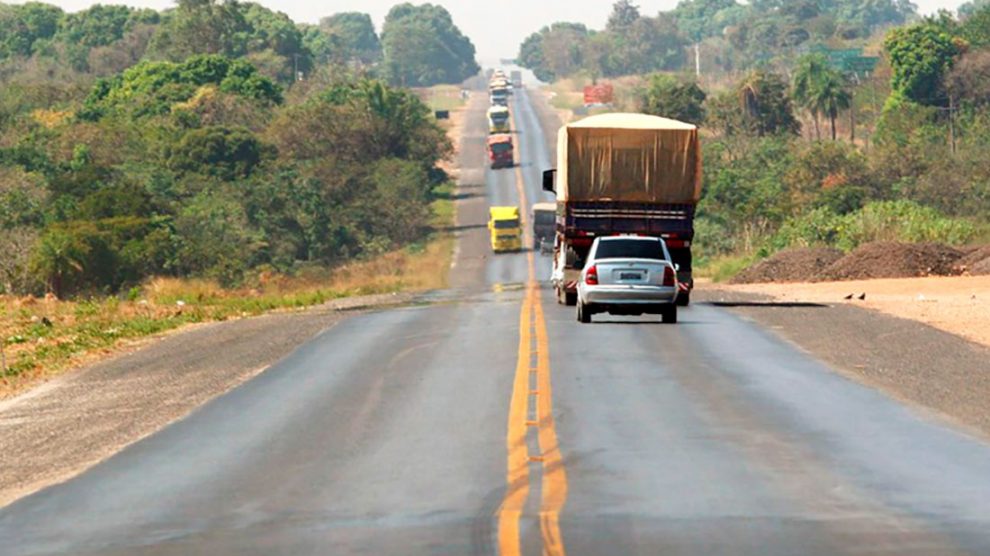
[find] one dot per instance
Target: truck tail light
(591, 277)
(669, 277)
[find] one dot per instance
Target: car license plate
(630, 276)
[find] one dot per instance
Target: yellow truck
(498, 120)
(505, 229)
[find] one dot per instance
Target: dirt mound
(981, 268)
(895, 260)
(972, 258)
(792, 265)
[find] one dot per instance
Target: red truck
(624, 174)
(500, 151)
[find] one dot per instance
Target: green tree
(832, 96)
(669, 97)
(766, 104)
(423, 47)
(920, 57)
(222, 152)
(805, 83)
(215, 239)
(351, 36)
(25, 27)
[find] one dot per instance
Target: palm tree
(821, 90)
(832, 95)
(807, 76)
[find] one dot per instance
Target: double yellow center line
(531, 409)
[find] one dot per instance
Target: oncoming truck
(500, 151)
(504, 228)
(624, 174)
(498, 120)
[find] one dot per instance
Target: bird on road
(862, 297)
(848, 297)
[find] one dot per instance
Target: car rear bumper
(628, 295)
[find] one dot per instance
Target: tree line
(784, 164)
(730, 35)
(182, 143)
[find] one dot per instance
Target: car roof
(635, 238)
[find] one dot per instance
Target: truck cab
(505, 229)
(499, 95)
(500, 151)
(498, 120)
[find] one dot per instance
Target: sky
(495, 27)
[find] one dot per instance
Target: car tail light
(669, 277)
(591, 277)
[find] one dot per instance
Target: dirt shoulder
(957, 305)
(69, 424)
(925, 367)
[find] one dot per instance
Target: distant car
(628, 275)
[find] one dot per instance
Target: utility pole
(697, 60)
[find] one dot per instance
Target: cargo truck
(544, 225)
(505, 229)
(498, 120)
(500, 151)
(624, 174)
(499, 96)
(517, 79)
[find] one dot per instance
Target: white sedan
(628, 275)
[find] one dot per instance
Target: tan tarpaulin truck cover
(629, 157)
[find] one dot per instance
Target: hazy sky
(496, 27)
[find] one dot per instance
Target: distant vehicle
(499, 96)
(517, 79)
(544, 226)
(501, 151)
(498, 120)
(624, 174)
(505, 230)
(628, 275)
(601, 94)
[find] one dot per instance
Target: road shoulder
(56, 431)
(929, 369)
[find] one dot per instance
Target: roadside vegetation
(211, 161)
(827, 123)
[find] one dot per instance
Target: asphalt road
(491, 422)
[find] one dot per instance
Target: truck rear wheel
(684, 299)
(669, 314)
(570, 299)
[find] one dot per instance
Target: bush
(878, 221)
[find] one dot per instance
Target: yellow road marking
(517, 464)
(533, 340)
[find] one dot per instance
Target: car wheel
(684, 299)
(669, 314)
(570, 299)
(583, 314)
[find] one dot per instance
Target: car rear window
(629, 249)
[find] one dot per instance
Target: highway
(486, 420)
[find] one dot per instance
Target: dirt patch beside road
(791, 265)
(957, 305)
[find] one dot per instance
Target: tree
(699, 19)
(669, 97)
(920, 57)
(766, 105)
(624, 14)
(24, 28)
(805, 82)
(423, 47)
(201, 27)
(351, 36)
(155, 88)
(832, 95)
(222, 152)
